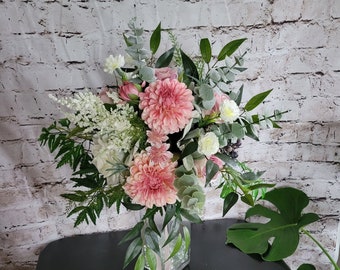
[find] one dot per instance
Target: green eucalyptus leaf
(155, 39)
(237, 130)
(230, 48)
(283, 227)
(165, 59)
(229, 201)
(147, 74)
(256, 100)
(205, 48)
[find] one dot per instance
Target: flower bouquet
(167, 127)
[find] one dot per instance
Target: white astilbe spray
(87, 111)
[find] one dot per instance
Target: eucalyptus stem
(336, 267)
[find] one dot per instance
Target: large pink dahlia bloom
(151, 183)
(167, 106)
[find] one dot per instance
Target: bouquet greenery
(167, 127)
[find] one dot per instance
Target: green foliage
(155, 39)
(230, 48)
(256, 100)
(205, 48)
(284, 225)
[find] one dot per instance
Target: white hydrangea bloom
(104, 157)
(229, 111)
(112, 63)
(208, 144)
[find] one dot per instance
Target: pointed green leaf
(189, 149)
(177, 246)
(155, 39)
(133, 250)
(256, 100)
(165, 59)
(151, 259)
(283, 227)
(205, 48)
(189, 67)
(229, 201)
(140, 263)
(169, 213)
(187, 237)
(211, 169)
(133, 233)
(230, 48)
(151, 240)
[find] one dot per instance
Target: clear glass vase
(179, 246)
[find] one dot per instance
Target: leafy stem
(321, 247)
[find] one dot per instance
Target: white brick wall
(59, 46)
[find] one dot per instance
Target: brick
(335, 9)
(293, 6)
(316, 10)
(10, 153)
(28, 236)
(249, 13)
(300, 35)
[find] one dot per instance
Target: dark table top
(100, 251)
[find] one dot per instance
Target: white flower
(112, 63)
(104, 158)
(229, 111)
(208, 144)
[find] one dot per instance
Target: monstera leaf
(282, 229)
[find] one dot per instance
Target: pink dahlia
(151, 183)
(159, 153)
(167, 106)
(156, 138)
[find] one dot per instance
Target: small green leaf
(211, 169)
(81, 218)
(140, 263)
(189, 149)
(151, 259)
(74, 197)
(133, 250)
(256, 100)
(238, 98)
(205, 48)
(133, 233)
(165, 59)
(229, 202)
(187, 237)
(169, 213)
(173, 232)
(177, 246)
(248, 199)
(155, 39)
(151, 240)
(230, 48)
